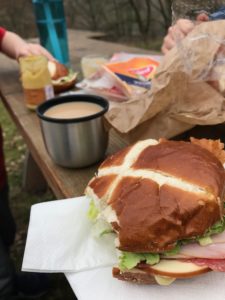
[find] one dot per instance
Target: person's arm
(14, 46)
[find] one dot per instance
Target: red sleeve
(2, 33)
(2, 164)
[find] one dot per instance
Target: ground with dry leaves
(21, 202)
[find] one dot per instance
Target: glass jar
(91, 63)
(36, 80)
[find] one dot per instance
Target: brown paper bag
(181, 95)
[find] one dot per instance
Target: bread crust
(62, 87)
(162, 193)
(184, 160)
(134, 276)
(156, 225)
(60, 70)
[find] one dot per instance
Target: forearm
(11, 43)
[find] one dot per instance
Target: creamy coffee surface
(72, 110)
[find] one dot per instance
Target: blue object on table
(51, 25)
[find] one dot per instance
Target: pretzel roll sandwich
(62, 77)
(164, 201)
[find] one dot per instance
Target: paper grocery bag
(186, 91)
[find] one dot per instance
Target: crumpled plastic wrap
(187, 89)
(125, 75)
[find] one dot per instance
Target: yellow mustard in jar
(36, 80)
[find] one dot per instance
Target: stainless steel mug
(76, 142)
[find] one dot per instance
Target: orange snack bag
(135, 71)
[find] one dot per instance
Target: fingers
(202, 17)
(185, 26)
(22, 52)
(164, 49)
(34, 49)
(168, 44)
(41, 50)
(176, 33)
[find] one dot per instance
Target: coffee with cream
(71, 110)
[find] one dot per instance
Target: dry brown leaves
(214, 146)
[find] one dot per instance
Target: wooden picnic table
(64, 182)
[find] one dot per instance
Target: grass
(20, 201)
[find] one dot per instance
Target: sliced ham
(213, 264)
(213, 251)
(216, 250)
(218, 238)
(211, 256)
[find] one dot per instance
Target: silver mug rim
(43, 107)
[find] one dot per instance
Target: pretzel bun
(57, 70)
(155, 193)
(62, 78)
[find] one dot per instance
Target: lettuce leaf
(101, 227)
(204, 241)
(218, 227)
(92, 211)
(71, 76)
(173, 251)
(128, 260)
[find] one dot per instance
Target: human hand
(176, 32)
(15, 47)
(202, 17)
(33, 49)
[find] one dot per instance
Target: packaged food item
(36, 80)
(136, 71)
(125, 75)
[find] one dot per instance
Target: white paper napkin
(60, 239)
(99, 285)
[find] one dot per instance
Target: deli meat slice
(213, 251)
(218, 238)
(213, 264)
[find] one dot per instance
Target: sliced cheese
(176, 269)
(163, 280)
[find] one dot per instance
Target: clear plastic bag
(204, 42)
(189, 51)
